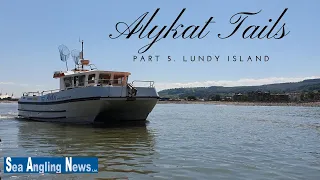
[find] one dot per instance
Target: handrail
(97, 82)
(39, 93)
(94, 66)
(150, 85)
(32, 93)
(51, 91)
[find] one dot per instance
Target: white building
(4, 96)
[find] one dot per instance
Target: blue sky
(32, 30)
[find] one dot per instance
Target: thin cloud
(7, 83)
(12, 83)
(23, 84)
(240, 82)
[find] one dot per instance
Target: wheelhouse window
(78, 80)
(75, 81)
(105, 79)
(68, 82)
(118, 79)
(91, 78)
(81, 80)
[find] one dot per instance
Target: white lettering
(75, 168)
(20, 168)
(88, 167)
(68, 164)
(41, 168)
(58, 168)
(81, 167)
(14, 168)
(29, 165)
(8, 162)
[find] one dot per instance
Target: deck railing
(100, 82)
(151, 83)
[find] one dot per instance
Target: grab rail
(32, 93)
(38, 93)
(50, 91)
(151, 83)
(94, 66)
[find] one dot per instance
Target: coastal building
(294, 96)
(6, 96)
(226, 98)
(310, 96)
(259, 96)
(239, 97)
(164, 99)
(279, 98)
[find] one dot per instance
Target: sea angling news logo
(52, 165)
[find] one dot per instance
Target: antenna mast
(82, 48)
(81, 52)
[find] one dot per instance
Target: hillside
(205, 92)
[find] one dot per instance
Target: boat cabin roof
(62, 74)
(84, 78)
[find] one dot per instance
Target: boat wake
(10, 115)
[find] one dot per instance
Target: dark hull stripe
(40, 118)
(42, 111)
(82, 99)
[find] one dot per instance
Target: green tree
(311, 95)
(191, 98)
(302, 97)
(217, 97)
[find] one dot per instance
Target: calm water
(179, 142)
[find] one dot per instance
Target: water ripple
(180, 142)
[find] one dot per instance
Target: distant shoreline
(6, 101)
(305, 104)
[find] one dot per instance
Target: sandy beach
(306, 104)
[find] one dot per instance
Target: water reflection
(125, 148)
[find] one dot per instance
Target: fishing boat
(88, 95)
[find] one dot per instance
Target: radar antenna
(76, 56)
(64, 54)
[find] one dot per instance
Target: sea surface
(180, 141)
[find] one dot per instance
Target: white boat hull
(80, 106)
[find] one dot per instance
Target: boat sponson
(130, 110)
